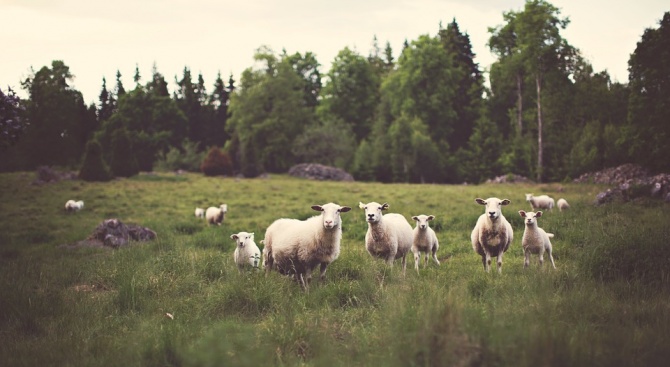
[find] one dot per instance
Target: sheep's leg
(417, 258)
(324, 267)
(404, 264)
(500, 258)
(425, 263)
(435, 256)
(541, 257)
(526, 261)
(487, 261)
(551, 258)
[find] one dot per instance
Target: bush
(187, 159)
(124, 163)
(94, 167)
(217, 163)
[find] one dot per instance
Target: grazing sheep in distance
(492, 234)
(535, 239)
(295, 247)
(74, 206)
(216, 215)
(246, 252)
(199, 212)
(562, 204)
(389, 236)
(540, 202)
(425, 240)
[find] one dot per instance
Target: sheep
(199, 212)
(540, 202)
(535, 239)
(246, 252)
(389, 236)
(74, 206)
(216, 215)
(562, 204)
(295, 247)
(492, 234)
(425, 240)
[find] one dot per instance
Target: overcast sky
(95, 38)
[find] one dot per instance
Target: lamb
(389, 236)
(562, 204)
(425, 240)
(535, 239)
(492, 234)
(540, 202)
(246, 252)
(74, 206)
(199, 212)
(295, 247)
(216, 215)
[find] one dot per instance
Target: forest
(428, 116)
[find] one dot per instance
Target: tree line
(426, 117)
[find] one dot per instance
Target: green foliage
(268, 113)
(123, 162)
(330, 142)
(94, 167)
(59, 120)
(188, 158)
(649, 103)
(217, 163)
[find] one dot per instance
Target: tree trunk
(519, 105)
(538, 84)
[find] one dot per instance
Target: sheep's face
(243, 238)
(224, 208)
(330, 213)
(493, 206)
(373, 211)
(422, 220)
(531, 217)
(529, 197)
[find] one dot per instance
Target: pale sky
(95, 38)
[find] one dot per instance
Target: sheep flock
(295, 248)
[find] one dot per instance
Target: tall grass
(180, 300)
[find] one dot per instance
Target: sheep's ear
(385, 206)
(318, 208)
(505, 202)
(233, 236)
(522, 213)
(415, 217)
(344, 209)
(480, 201)
(361, 205)
(538, 214)
(431, 217)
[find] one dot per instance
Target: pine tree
(137, 77)
(105, 108)
(217, 163)
(120, 90)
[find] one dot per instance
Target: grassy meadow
(607, 304)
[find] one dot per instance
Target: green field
(607, 304)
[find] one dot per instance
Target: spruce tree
(94, 167)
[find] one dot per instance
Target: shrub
(94, 167)
(187, 158)
(217, 163)
(124, 163)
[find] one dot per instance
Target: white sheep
(425, 240)
(540, 202)
(74, 206)
(216, 215)
(535, 239)
(562, 204)
(389, 236)
(492, 234)
(296, 247)
(246, 252)
(199, 212)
